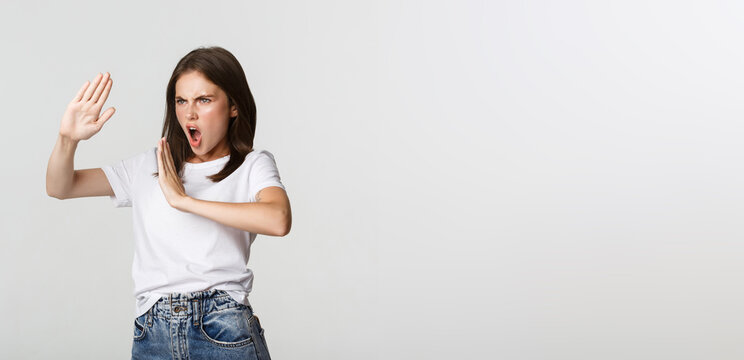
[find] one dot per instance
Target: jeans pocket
(229, 327)
(140, 327)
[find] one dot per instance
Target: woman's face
(201, 104)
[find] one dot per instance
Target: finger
(173, 164)
(163, 160)
(160, 162)
(104, 83)
(169, 160)
(91, 88)
(105, 116)
(79, 94)
(163, 157)
(106, 91)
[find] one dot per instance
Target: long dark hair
(223, 69)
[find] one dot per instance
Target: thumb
(105, 116)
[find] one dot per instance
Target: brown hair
(223, 69)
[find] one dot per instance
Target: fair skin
(202, 103)
(269, 215)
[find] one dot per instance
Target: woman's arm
(60, 168)
(269, 215)
(81, 120)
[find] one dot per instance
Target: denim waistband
(175, 305)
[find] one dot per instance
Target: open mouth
(194, 136)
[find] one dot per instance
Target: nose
(191, 113)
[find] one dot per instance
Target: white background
(468, 179)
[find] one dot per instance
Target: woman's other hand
(168, 177)
(81, 119)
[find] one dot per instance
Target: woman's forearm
(256, 217)
(60, 169)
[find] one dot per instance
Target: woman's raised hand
(83, 117)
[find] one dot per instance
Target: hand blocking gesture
(168, 178)
(83, 117)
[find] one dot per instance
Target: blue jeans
(199, 325)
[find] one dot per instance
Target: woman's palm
(83, 117)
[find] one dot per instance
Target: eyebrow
(200, 96)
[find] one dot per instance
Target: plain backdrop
(468, 179)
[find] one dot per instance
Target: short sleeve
(264, 173)
(120, 176)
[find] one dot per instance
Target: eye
(207, 100)
(178, 101)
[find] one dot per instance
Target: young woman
(198, 200)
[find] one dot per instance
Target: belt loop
(149, 317)
(196, 310)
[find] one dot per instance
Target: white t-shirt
(176, 251)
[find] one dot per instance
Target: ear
(233, 111)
